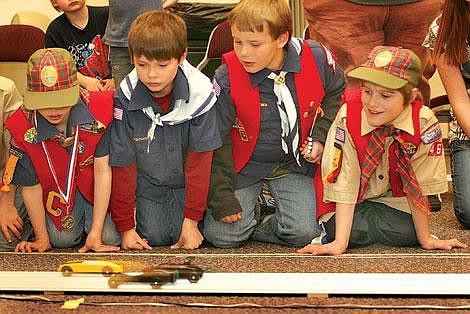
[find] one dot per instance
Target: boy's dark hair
(158, 35)
(255, 15)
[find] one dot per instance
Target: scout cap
(390, 67)
(51, 79)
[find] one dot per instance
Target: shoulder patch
(30, 135)
(431, 134)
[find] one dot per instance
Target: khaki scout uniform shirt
(427, 162)
(10, 100)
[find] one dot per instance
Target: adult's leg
(403, 28)
(120, 63)
(294, 223)
(349, 30)
(221, 234)
(461, 180)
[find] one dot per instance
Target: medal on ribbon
(67, 221)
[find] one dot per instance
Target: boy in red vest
(382, 157)
(58, 149)
(270, 89)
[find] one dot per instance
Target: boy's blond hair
(254, 15)
(158, 35)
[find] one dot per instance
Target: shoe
(435, 202)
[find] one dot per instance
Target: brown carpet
(262, 257)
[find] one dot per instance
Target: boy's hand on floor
(93, 242)
(433, 243)
(190, 237)
(333, 248)
(131, 240)
(10, 221)
(37, 245)
(230, 219)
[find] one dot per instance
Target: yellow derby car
(91, 266)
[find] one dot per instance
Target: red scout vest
(246, 100)
(353, 122)
(101, 107)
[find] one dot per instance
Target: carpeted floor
(261, 257)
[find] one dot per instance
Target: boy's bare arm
(10, 220)
(428, 242)
(344, 219)
(102, 192)
(32, 196)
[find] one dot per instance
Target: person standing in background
(121, 15)
(351, 28)
(448, 39)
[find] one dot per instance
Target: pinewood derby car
(185, 271)
(90, 266)
(156, 278)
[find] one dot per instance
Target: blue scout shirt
(268, 153)
(79, 115)
(163, 163)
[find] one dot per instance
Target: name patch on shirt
(431, 134)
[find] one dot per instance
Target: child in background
(80, 30)
(60, 158)
(271, 88)
(165, 124)
(383, 155)
(11, 220)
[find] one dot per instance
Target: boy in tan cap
(57, 149)
(382, 157)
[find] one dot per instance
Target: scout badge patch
(340, 136)
(431, 134)
(30, 135)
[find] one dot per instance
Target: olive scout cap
(389, 67)
(51, 78)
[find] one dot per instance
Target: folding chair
(18, 44)
(33, 18)
(220, 42)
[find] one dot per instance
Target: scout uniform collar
(78, 115)
(141, 98)
(402, 122)
(291, 63)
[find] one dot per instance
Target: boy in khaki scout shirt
(382, 156)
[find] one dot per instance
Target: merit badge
(436, 149)
(431, 134)
(68, 222)
(410, 148)
(30, 135)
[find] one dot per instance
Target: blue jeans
(120, 63)
(83, 215)
(461, 180)
(27, 228)
(294, 222)
(160, 212)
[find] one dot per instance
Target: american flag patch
(216, 87)
(340, 135)
(117, 114)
